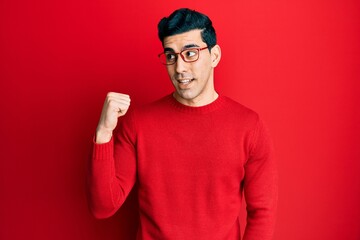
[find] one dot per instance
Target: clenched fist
(115, 106)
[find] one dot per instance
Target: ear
(215, 55)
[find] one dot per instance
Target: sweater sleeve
(112, 171)
(260, 187)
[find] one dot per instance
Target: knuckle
(112, 103)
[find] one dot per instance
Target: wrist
(103, 135)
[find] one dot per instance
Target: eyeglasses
(188, 55)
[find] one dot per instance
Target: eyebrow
(190, 46)
(167, 49)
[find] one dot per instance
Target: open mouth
(185, 81)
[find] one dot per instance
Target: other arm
(260, 187)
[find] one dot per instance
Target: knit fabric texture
(192, 166)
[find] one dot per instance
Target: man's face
(194, 81)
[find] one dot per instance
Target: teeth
(185, 81)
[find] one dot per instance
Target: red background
(297, 63)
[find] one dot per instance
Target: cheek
(170, 70)
(202, 68)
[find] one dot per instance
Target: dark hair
(184, 20)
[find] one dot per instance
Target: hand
(115, 106)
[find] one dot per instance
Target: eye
(170, 56)
(190, 53)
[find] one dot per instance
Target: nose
(181, 65)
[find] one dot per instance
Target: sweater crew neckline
(216, 104)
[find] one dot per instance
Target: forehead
(178, 41)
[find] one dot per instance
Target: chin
(187, 96)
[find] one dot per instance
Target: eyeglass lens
(188, 55)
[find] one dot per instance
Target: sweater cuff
(103, 150)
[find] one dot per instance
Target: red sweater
(192, 165)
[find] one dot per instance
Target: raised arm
(112, 169)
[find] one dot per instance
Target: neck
(197, 102)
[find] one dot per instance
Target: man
(192, 153)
